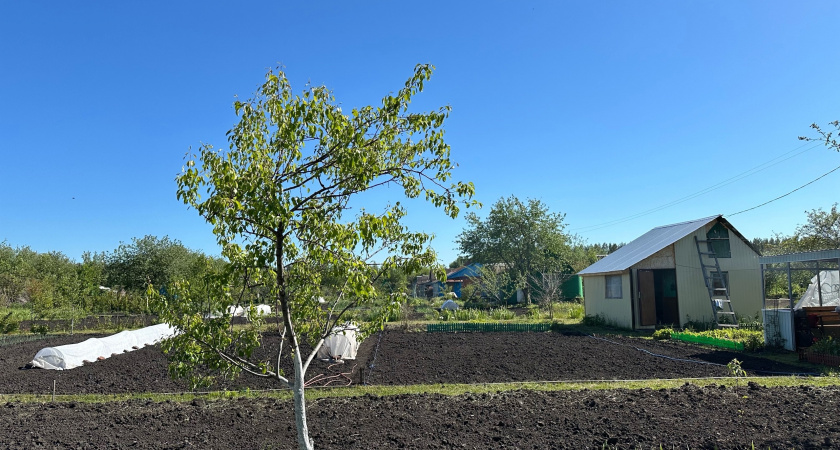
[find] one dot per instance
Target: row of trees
(51, 284)
(821, 231)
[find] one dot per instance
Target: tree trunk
(304, 442)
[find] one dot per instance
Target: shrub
(754, 342)
(7, 325)
(594, 321)
(663, 334)
(535, 314)
(575, 311)
(40, 329)
(501, 314)
(476, 303)
(827, 346)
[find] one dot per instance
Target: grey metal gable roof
(646, 245)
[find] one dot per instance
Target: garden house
(703, 270)
(462, 277)
(456, 278)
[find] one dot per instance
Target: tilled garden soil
(411, 358)
(398, 358)
(687, 417)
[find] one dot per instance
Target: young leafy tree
(821, 232)
(279, 199)
(149, 260)
(493, 284)
(524, 236)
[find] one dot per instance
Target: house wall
(616, 311)
(744, 278)
(663, 259)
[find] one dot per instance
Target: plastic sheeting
(450, 305)
(74, 355)
(242, 311)
(829, 284)
(340, 344)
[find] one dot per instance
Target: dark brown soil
(688, 417)
(405, 358)
(416, 358)
(143, 370)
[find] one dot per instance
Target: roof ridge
(688, 221)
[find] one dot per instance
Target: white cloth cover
(830, 286)
(340, 344)
(74, 355)
(242, 311)
(236, 311)
(450, 305)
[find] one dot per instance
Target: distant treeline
(51, 283)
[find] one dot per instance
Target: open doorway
(657, 297)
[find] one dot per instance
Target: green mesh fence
(486, 327)
(708, 341)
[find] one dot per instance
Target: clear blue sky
(601, 109)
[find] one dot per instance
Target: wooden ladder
(719, 297)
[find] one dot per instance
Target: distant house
(462, 277)
(456, 278)
(669, 275)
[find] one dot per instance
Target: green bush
(40, 329)
(501, 313)
(8, 325)
(594, 321)
(663, 334)
(827, 346)
(753, 340)
(575, 311)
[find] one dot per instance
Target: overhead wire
(759, 168)
(785, 195)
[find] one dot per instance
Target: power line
(785, 195)
(759, 168)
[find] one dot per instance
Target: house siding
(616, 311)
(744, 278)
(663, 259)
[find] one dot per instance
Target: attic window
(718, 238)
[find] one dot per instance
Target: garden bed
(399, 358)
(749, 417)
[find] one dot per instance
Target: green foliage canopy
(525, 237)
(279, 202)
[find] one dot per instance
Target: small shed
(660, 278)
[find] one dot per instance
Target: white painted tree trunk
(304, 443)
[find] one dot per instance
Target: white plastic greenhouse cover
(341, 343)
(450, 305)
(74, 355)
(830, 284)
(241, 311)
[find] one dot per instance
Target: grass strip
(316, 393)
